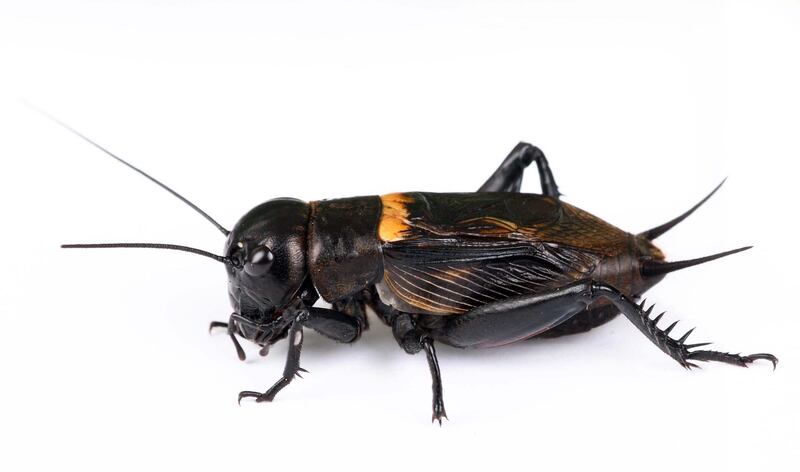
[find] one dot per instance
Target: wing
(514, 216)
(449, 253)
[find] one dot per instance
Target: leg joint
(602, 290)
(408, 336)
(528, 153)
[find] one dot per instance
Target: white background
(641, 107)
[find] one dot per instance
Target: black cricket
(469, 270)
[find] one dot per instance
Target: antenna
(111, 154)
(173, 247)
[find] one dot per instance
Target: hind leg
(587, 319)
(520, 318)
(508, 177)
(507, 321)
(675, 348)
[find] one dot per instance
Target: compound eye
(260, 261)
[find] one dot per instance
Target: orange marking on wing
(394, 217)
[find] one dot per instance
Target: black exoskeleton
(469, 270)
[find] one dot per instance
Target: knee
(528, 153)
(407, 334)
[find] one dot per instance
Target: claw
(763, 356)
(438, 412)
(248, 394)
(438, 417)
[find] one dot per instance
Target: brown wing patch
(574, 227)
(581, 229)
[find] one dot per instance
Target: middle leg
(413, 340)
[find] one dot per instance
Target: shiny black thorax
(345, 255)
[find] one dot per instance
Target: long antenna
(152, 179)
(174, 247)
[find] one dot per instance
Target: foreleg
(330, 323)
(291, 368)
